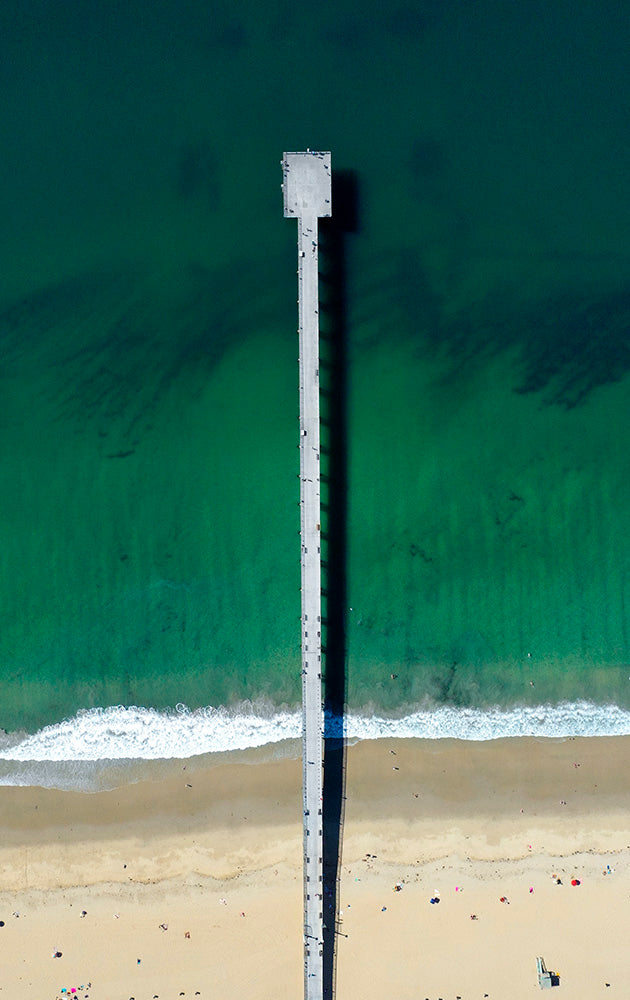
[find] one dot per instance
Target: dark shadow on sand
(333, 380)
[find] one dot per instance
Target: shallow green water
(149, 521)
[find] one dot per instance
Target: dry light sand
(221, 861)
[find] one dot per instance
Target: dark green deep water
(149, 549)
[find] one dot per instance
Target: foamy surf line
(121, 733)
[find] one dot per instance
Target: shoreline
(136, 744)
(487, 818)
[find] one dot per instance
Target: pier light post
(307, 197)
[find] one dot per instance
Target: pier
(307, 197)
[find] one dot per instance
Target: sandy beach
(191, 886)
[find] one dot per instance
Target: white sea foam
(122, 734)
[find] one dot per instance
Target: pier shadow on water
(334, 233)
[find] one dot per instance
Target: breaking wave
(126, 734)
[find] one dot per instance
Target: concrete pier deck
(307, 197)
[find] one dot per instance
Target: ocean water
(149, 547)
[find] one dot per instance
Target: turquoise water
(149, 545)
